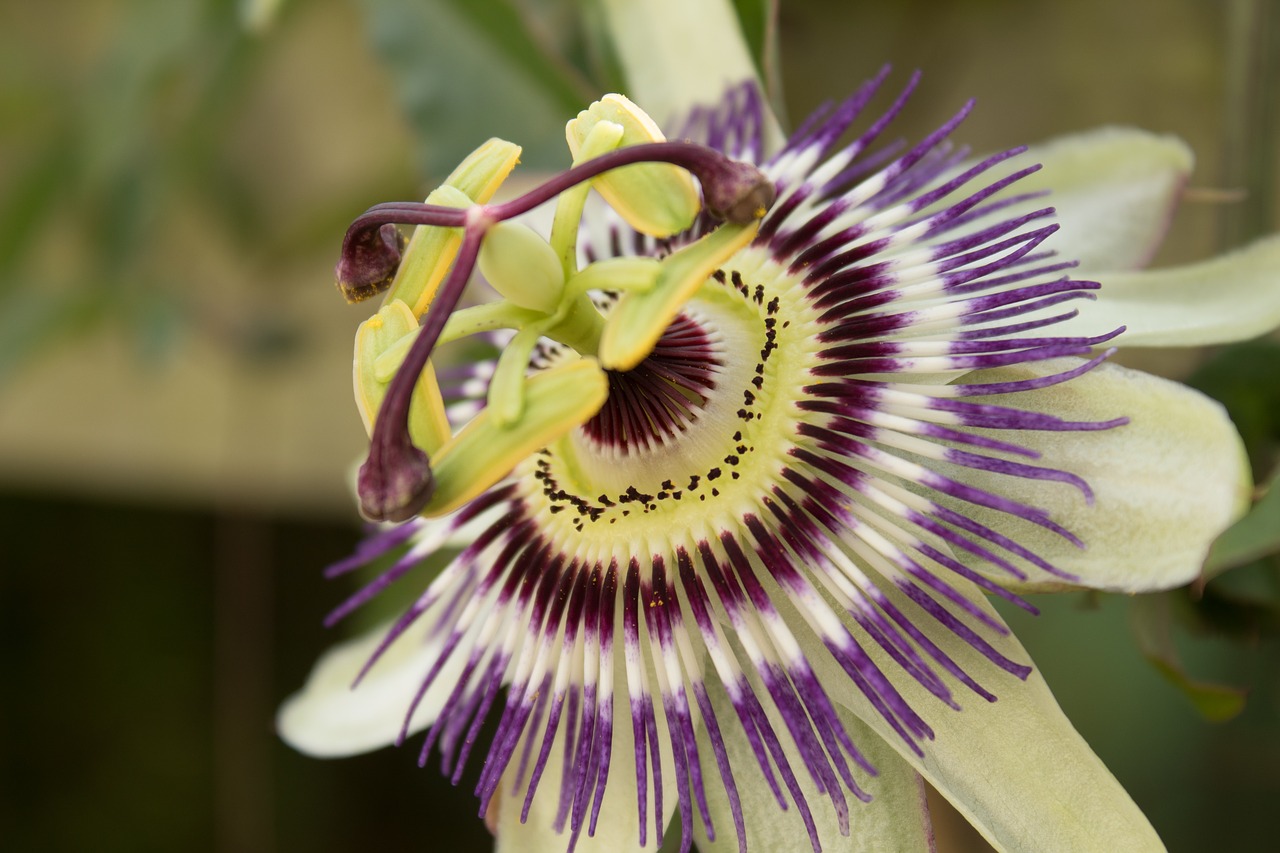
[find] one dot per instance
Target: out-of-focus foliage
(1252, 537)
(1244, 565)
(466, 70)
(1153, 621)
(1238, 596)
(1246, 379)
(105, 155)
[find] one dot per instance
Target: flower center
(659, 399)
(545, 294)
(700, 425)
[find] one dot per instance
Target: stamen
(370, 258)
(733, 191)
(395, 481)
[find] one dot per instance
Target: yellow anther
(633, 327)
(654, 198)
(483, 452)
(386, 331)
(432, 249)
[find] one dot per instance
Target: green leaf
(1250, 598)
(1246, 379)
(1152, 619)
(1256, 535)
(466, 70)
(759, 22)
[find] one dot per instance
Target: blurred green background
(176, 432)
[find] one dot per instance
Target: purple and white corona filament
(785, 473)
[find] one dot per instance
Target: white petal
(897, 818)
(1165, 485)
(1015, 768)
(1232, 297)
(1115, 190)
(329, 719)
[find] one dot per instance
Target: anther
(373, 247)
(370, 258)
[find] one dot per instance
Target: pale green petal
(1015, 768)
(896, 820)
(1114, 189)
(1021, 774)
(671, 60)
(1232, 297)
(328, 719)
(1165, 485)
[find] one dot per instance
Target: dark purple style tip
(395, 482)
(370, 258)
(735, 191)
